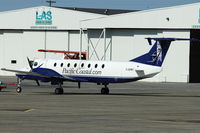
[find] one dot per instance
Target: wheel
(59, 91)
(19, 89)
(107, 91)
(104, 91)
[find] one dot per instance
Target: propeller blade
(29, 62)
(38, 83)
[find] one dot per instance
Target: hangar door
(194, 57)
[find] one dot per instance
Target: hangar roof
(99, 11)
(177, 17)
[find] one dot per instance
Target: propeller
(31, 66)
(30, 63)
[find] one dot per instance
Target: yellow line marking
(29, 110)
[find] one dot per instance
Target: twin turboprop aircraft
(100, 72)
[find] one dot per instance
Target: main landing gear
(105, 90)
(59, 90)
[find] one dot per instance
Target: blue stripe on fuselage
(77, 78)
(103, 79)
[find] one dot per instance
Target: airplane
(103, 73)
(68, 54)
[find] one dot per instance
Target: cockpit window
(35, 63)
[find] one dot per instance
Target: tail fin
(157, 53)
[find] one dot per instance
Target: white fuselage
(84, 69)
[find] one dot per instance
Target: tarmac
(136, 107)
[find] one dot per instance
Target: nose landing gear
(19, 89)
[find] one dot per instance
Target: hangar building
(121, 37)
(105, 37)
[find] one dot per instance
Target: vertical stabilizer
(158, 52)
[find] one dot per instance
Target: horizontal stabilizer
(170, 39)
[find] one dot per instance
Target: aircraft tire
(59, 91)
(104, 91)
(19, 89)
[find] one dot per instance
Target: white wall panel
(74, 41)
(122, 45)
(12, 49)
(18, 45)
(56, 40)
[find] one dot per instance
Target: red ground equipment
(2, 85)
(68, 54)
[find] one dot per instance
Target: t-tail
(157, 53)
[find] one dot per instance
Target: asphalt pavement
(136, 107)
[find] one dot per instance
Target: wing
(45, 73)
(25, 72)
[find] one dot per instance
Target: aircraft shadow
(125, 94)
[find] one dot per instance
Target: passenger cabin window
(68, 65)
(61, 64)
(95, 65)
(103, 66)
(55, 64)
(89, 65)
(82, 65)
(75, 64)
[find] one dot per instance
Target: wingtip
(3, 69)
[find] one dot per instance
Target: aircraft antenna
(50, 2)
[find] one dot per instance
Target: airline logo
(82, 72)
(159, 53)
